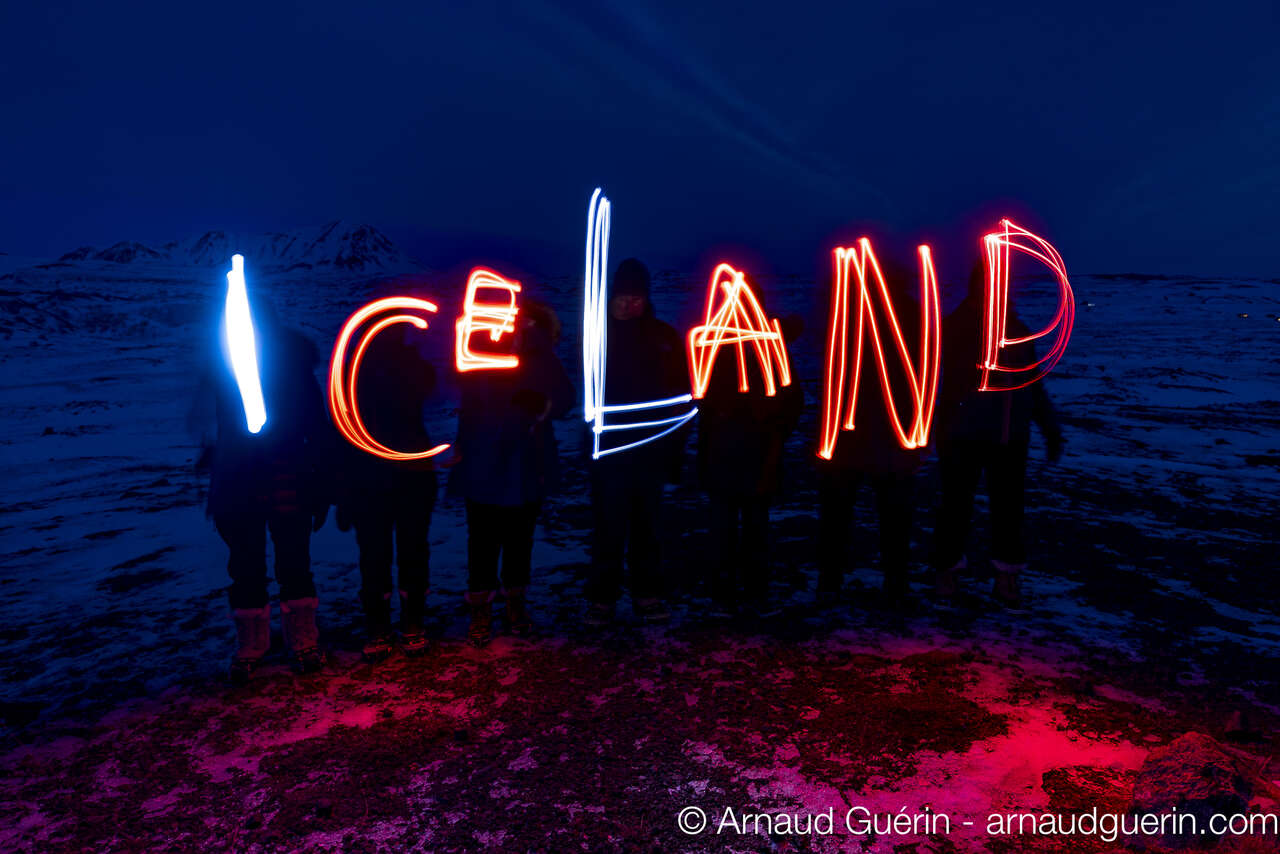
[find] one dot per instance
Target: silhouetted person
(740, 442)
(645, 362)
(508, 466)
(871, 454)
(985, 433)
(273, 481)
(390, 502)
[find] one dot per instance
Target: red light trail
(995, 314)
(737, 321)
(495, 318)
(922, 380)
(343, 376)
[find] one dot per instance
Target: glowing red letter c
(342, 389)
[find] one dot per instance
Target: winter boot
(1007, 587)
(946, 582)
(413, 638)
(481, 630)
(377, 617)
(517, 614)
(301, 635)
(253, 638)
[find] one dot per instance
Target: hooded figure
(871, 455)
(645, 361)
(390, 502)
(985, 432)
(274, 481)
(508, 465)
(740, 441)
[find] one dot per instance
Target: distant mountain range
(337, 246)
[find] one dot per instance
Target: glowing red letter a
(738, 320)
(923, 382)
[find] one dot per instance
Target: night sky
(1137, 137)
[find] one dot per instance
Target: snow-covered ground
(1154, 608)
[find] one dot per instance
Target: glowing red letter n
(923, 382)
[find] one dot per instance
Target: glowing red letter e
(495, 318)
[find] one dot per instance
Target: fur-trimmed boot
(517, 613)
(253, 639)
(301, 635)
(480, 603)
(1007, 587)
(946, 582)
(413, 636)
(377, 620)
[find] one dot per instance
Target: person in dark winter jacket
(740, 441)
(645, 362)
(274, 481)
(985, 433)
(871, 455)
(508, 465)
(390, 502)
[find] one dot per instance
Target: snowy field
(1154, 604)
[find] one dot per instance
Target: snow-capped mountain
(337, 246)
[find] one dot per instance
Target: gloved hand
(1054, 446)
(318, 516)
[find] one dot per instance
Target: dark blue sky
(1135, 136)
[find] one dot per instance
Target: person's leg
(413, 557)
(1006, 479)
(246, 538)
(722, 567)
(374, 526)
(959, 468)
(894, 505)
(754, 551)
(291, 537)
(644, 553)
(835, 517)
(609, 536)
(484, 545)
(517, 544)
(517, 563)
(644, 550)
